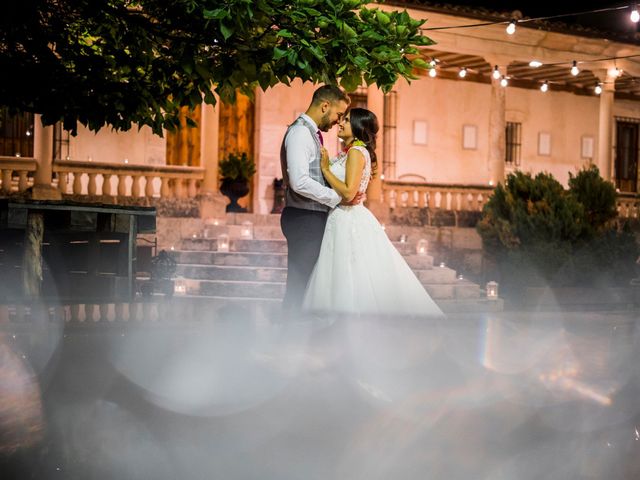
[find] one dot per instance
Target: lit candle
(223, 242)
(180, 287)
(247, 230)
(492, 290)
(422, 248)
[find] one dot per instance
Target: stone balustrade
(628, 205)
(426, 195)
(14, 174)
(124, 180)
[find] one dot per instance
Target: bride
(359, 271)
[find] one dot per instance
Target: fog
(236, 392)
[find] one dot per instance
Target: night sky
(617, 21)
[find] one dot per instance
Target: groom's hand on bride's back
(359, 198)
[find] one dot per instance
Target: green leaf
(278, 53)
(226, 30)
(217, 14)
(351, 81)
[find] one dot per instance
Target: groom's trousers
(303, 230)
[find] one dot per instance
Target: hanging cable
(527, 20)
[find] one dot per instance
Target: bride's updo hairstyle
(364, 126)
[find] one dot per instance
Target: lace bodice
(339, 167)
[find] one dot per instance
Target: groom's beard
(325, 123)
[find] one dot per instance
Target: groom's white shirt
(301, 150)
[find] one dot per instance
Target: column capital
(500, 60)
(607, 77)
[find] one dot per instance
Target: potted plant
(236, 171)
(163, 268)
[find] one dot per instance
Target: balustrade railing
(123, 180)
(14, 174)
(628, 205)
(468, 197)
(435, 196)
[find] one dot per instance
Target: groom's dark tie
(320, 138)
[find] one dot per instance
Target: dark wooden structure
(88, 252)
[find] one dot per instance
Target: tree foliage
(538, 233)
(119, 62)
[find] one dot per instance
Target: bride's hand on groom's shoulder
(324, 160)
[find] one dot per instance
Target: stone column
(497, 125)
(212, 203)
(43, 153)
(604, 159)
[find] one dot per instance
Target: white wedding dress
(359, 271)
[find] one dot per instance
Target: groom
(308, 198)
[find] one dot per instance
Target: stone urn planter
(236, 171)
(234, 190)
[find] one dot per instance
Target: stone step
(197, 262)
(265, 232)
(201, 306)
(237, 245)
(436, 275)
(467, 290)
(257, 219)
(228, 272)
(275, 290)
(192, 257)
(230, 288)
(471, 305)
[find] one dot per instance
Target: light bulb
(574, 69)
(432, 72)
(598, 89)
(496, 72)
(504, 81)
(545, 86)
(463, 72)
(635, 16)
(511, 28)
(535, 63)
(614, 72)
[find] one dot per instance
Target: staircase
(254, 270)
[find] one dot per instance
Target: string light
(504, 82)
(511, 27)
(598, 89)
(463, 72)
(544, 87)
(614, 72)
(574, 69)
(512, 22)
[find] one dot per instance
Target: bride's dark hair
(364, 126)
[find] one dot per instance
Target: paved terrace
(236, 394)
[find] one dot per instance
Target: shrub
(238, 167)
(538, 233)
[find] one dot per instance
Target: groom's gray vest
(294, 199)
